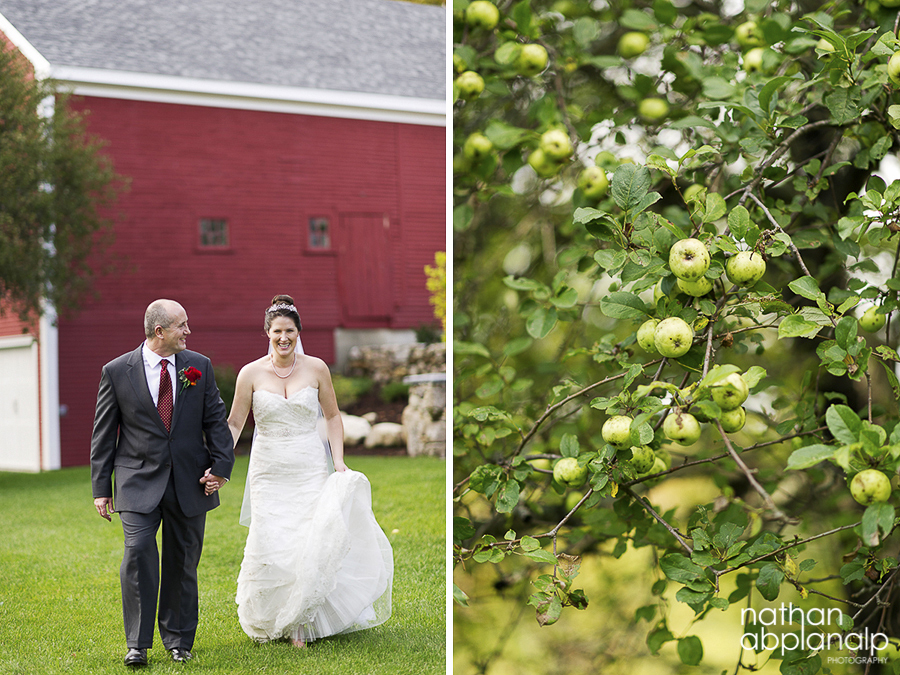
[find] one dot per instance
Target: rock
(371, 417)
(425, 418)
(391, 363)
(355, 429)
(385, 435)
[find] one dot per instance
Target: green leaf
(459, 596)
(508, 497)
(540, 555)
(548, 612)
(630, 183)
(843, 423)
(569, 446)
(843, 103)
(541, 322)
(505, 136)
(715, 207)
(739, 221)
(810, 455)
(877, 523)
(796, 326)
(529, 544)
(766, 93)
(690, 650)
(679, 568)
(845, 332)
(769, 581)
(623, 305)
(806, 287)
(637, 20)
(473, 348)
(657, 638)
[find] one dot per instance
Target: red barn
(293, 147)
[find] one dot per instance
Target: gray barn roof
(383, 47)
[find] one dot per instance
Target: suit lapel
(138, 378)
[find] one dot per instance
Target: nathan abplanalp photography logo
(789, 628)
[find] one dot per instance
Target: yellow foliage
(436, 283)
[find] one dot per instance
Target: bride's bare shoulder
(254, 368)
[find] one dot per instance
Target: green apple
(745, 268)
(543, 165)
(871, 321)
(825, 49)
(731, 392)
(733, 420)
(689, 259)
(593, 182)
(890, 3)
(653, 109)
(606, 160)
(682, 427)
(673, 337)
(753, 60)
(556, 144)
(470, 85)
(893, 67)
(748, 35)
(572, 499)
(870, 486)
(617, 431)
(532, 60)
(477, 147)
(642, 458)
(459, 63)
(659, 295)
(568, 473)
(633, 44)
(482, 14)
(692, 191)
(697, 288)
(645, 336)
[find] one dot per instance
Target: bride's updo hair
(282, 305)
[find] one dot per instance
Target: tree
(54, 181)
(765, 135)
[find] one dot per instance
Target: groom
(160, 426)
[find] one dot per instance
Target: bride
(316, 562)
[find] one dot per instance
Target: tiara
(281, 305)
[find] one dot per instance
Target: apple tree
(676, 259)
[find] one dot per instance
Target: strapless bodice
(279, 417)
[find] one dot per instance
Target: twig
(750, 477)
(649, 509)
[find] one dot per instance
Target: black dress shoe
(136, 657)
(180, 655)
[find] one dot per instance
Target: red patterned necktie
(164, 404)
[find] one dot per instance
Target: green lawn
(60, 607)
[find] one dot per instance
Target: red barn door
(364, 267)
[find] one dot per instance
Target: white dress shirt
(151, 368)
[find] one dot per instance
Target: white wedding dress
(316, 561)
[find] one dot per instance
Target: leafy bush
(349, 390)
(394, 391)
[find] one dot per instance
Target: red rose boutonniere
(188, 377)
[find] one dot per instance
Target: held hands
(212, 483)
(104, 507)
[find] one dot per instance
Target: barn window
(213, 233)
(319, 234)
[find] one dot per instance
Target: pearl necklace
(275, 370)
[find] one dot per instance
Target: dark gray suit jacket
(131, 441)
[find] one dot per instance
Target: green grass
(61, 610)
